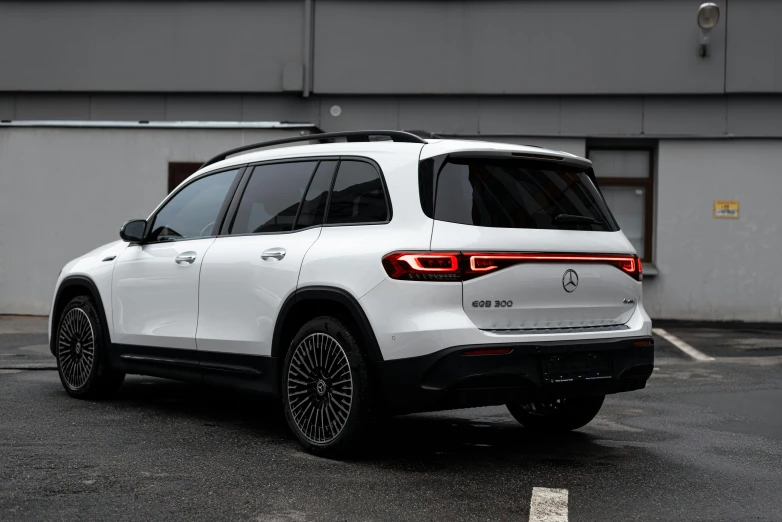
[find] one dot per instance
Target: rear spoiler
(561, 159)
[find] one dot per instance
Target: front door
(155, 285)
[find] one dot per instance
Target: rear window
(518, 194)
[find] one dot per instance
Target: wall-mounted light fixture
(708, 18)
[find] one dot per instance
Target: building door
(179, 172)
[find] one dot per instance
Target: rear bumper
(448, 379)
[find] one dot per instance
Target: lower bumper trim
(448, 379)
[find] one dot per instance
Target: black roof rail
(423, 133)
(399, 136)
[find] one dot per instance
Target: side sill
(250, 372)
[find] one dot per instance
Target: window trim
(239, 193)
(646, 183)
(221, 214)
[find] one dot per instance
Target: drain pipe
(309, 26)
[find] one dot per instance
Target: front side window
(272, 197)
(192, 212)
(358, 195)
(519, 194)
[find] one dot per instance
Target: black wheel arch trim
(92, 288)
(328, 293)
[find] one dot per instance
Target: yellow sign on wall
(726, 209)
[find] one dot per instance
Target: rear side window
(519, 194)
(272, 197)
(358, 195)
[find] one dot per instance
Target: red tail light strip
(480, 262)
(462, 266)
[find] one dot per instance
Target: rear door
(254, 266)
(544, 250)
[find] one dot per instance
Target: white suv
(385, 274)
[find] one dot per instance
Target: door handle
(185, 257)
(276, 253)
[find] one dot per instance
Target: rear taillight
(462, 266)
(423, 266)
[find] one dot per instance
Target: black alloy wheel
(82, 360)
(326, 388)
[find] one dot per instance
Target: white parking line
(548, 505)
(681, 345)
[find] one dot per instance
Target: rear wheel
(326, 388)
(82, 361)
(564, 414)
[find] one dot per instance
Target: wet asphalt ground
(703, 441)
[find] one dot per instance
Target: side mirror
(133, 231)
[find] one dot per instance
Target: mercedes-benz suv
(384, 274)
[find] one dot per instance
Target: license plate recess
(577, 367)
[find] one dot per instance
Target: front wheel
(326, 388)
(82, 359)
(564, 414)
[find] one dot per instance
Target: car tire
(81, 351)
(325, 390)
(557, 415)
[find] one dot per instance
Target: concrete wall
(525, 47)
(149, 46)
(495, 47)
(719, 269)
(754, 58)
(64, 192)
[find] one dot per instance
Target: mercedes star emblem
(570, 280)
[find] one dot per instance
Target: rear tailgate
(532, 268)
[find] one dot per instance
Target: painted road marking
(548, 505)
(681, 345)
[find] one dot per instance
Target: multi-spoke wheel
(320, 387)
(82, 361)
(562, 414)
(76, 348)
(325, 387)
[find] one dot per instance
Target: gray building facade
(100, 100)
